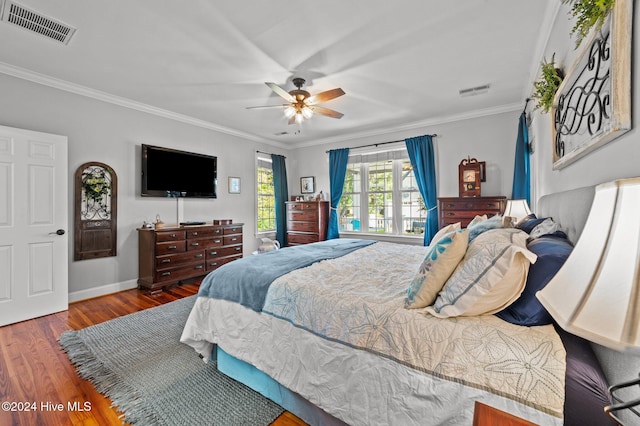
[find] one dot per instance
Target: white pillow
(547, 226)
(443, 231)
(491, 276)
(436, 268)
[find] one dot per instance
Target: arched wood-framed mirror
(96, 208)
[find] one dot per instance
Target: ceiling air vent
(473, 91)
(28, 19)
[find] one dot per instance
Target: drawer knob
(172, 235)
(234, 239)
(450, 214)
(195, 244)
(216, 241)
(238, 249)
(213, 264)
(166, 274)
(213, 253)
(198, 256)
(198, 267)
(172, 247)
(194, 233)
(166, 261)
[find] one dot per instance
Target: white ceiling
(400, 62)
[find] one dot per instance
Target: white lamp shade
(517, 209)
(596, 293)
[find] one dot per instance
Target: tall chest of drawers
(171, 254)
(464, 209)
(307, 221)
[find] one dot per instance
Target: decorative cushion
(529, 222)
(477, 220)
(436, 268)
(552, 251)
(547, 226)
(483, 226)
(443, 231)
(491, 276)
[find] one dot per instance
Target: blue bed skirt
(265, 385)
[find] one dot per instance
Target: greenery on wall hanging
(588, 13)
(546, 86)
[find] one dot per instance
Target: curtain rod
(267, 153)
(382, 143)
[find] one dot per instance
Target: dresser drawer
(233, 230)
(228, 240)
(203, 233)
(302, 206)
(302, 238)
(223, 252)
(172, 260)
(169, 236)
(180, 273)
(302, 226)
(471, 204)
(303, 215)
(203, 243)
(170, 247)
(216, 263)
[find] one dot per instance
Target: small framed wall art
(234, 185)
(308, 184)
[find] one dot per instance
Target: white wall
(491, 139)
(99, 131)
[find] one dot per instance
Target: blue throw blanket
(247, 280)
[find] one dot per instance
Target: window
(266, 220)
(380, 195)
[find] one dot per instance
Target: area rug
(139, 363)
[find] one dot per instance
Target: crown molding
(77, 89)
(417, 125)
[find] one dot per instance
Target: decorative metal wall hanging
(96, 196)
(593, 103)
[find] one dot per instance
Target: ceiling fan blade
(267, 106)
(326, 111)
(324, 96)
(281, 92)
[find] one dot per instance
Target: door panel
(33, 205)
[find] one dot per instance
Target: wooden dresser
(307, 221)
(172, 254)
(464, 209)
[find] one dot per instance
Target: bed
(330, 333)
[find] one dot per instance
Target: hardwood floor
(36, 375)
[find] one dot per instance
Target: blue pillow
(485, 225)
(552, 251)
(529, 222)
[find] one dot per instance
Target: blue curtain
(521, 171)
(421, 154)
(338, 159)
(281, 192)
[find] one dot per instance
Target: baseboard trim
(90, 293)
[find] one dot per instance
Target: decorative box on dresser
(171, 254)
(307, 221)
(464, 209)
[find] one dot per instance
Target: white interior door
(33, 224)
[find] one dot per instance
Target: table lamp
(596, 293)
(517, 209)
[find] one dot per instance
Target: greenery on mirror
(95, 184)
(588, 14)
(546, 86)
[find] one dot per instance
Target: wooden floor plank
(35, 370)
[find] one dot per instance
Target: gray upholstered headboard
(570, 209)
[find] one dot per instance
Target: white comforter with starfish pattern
(338, 334)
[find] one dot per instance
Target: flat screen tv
(172, 173)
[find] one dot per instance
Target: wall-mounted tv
(172, 173)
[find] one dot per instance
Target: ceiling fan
(301, 104)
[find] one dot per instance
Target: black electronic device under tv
(172, 173)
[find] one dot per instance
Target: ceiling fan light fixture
(289, 111)
(299, 118)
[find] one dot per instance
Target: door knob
(58, 232)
